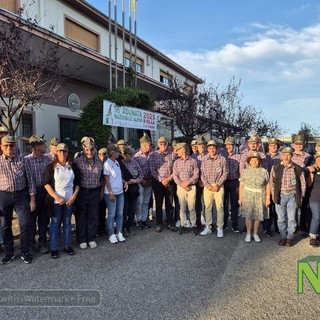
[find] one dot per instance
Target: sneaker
(43, 249)
(139, 225)
(159, 228)
(205, 231)
(125, 233)
(69, 251)
(145, 225)
(8, 258)
(83, 245)
(219, 233)
(178, 224)
(313, 242)
(27, 258)
(289, 243)
(256, 238)
(54, 254)
(120, 237)
(183, 230)
(248, 238)
(113, 238)
(92, 244)
(172, 227)
(235, 229)
(225, 228)
(268, 232)
(130, 232)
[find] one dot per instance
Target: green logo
(305, 270)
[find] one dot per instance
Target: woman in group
(62, 185)
(114, 187)
(314, 200)
(254, 195)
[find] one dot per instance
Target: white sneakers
(113, 238)
(92, 244)
(178, 224)
(117, 238)
(248, 238)
(206, 231)
(83, 245)
(219, 233)
(256, 238)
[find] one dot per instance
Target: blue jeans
(115, 212)
(315, 208)
(60, 214)
(286, 211)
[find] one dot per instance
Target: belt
(90, 189)
(254, 189)
(288, 193)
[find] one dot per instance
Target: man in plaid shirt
(213, 175)
(186, 175)
(288, 186)
(161, 168)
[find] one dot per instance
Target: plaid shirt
(161, 165)
(185, 170)
(214, 170)
(15, 175)
(244, 164)
(134, 168)
(271, 160)
(199, 157)
(303, 160)
(144, 163)
(288, 181)
(91, 174)
(37, 167)
(233, 162)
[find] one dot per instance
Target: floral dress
(254, 193)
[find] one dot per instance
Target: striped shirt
(144, 163)
(185, 170)
(233, 163)
(15, 175)
(288, 181)
(214, 170)
(134, 168)
(91, 174)
(303, 160)
(161, 165)
(271, 160)
(244, 164)
(37, 167)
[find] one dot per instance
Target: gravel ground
(167, 276)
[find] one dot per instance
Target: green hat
(121, 142)
(273, 141)
(253, 154)
(254, 138)
(193, 142)
(3, 129)
(287, 150)
(298, 139)
(36, 141)
(7, 139)
(103, 151)
(201, 140)
(88, 142)
(162, 139)
(112, 148)
(62, 147)
(54, 141)
(127, 150)
(180, 145)
(229, 140)
(211, 143)
(145, 139)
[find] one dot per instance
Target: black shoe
(8, 258)
(145, 225)
(130, 232)
(1, 247)
(159, 229)
(194, 231)
(243, 230)
(276, 230)
(268, 232)
(69, 251)
(139, 225)
(43, 249)
(55, 254)
(125, 233)
(235, 229)
(182, 230)
(225, 228)
(27, 258)
(172, 227)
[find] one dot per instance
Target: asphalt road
(163, 276)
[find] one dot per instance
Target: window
(81, 34)
(27, 130)
(129, 60)
(10, 5)
(165, 78)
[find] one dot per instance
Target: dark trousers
(176, 204)
(102, 217)
(306, 214)
(87, 212)
(160, 192)
(20, 202)
(129, 210)
(273, 217)
(40, 216)
(231, 195)
(199, 193)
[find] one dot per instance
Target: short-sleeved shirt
(63, 181)
(113, 171)
(244, 157)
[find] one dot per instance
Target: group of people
(45, 189)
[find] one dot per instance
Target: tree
(91, 119)
(307, 131)
(30, 69)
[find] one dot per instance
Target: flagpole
(116, 43)
(135, 41)
(123, 46)
(110, 47)
(130, 31)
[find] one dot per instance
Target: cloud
(276, 65)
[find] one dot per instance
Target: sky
(272, 46)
